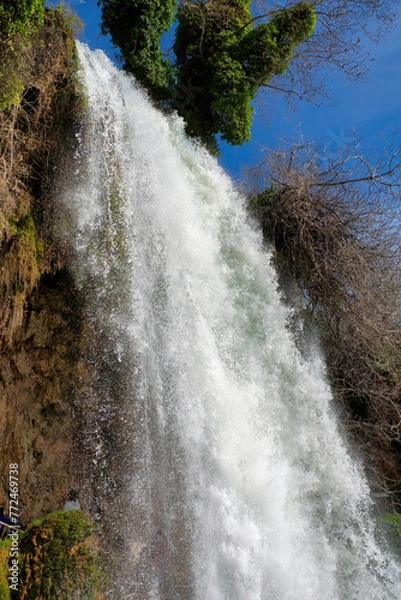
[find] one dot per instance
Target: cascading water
(213, 435)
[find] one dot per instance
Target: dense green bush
(221, 57)
(135, 27)
(58, 558)
(268, 48)
(20, 16)
(222, 61)
(4, 557)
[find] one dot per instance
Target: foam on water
(239, 461)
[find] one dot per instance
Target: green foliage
(222, 61)
(21, 24)
(211, 91)
(38, 96)
(4, 558)
(20, 16)
(58, 558)
(391, 523)
(230, 101)
(267, 49)
(221, 58)
(135, 27)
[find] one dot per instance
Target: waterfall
(216, 447)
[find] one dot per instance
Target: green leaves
(221, 58)
(135, 27)
(226, 61)
(230, 102)
(58, 558)
(20, 16)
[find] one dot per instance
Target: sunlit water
(231, 479)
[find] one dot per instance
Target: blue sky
(373, 106)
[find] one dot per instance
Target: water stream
(215, 441)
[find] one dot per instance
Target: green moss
(19, 21)
(28, 251)
(391, 523)
(12, 73)
(21, 16)
(58, 558)
(11, 85)
(20, 45)
(4, 558)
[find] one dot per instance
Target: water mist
(215, 438)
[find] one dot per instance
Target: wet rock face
(39, 374)
(40, 312)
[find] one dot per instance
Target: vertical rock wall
(40, 311)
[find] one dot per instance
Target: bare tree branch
(336, 238)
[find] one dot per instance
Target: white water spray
(239, 486)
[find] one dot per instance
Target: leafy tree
(337, 44)
(135, 27)
(222, 58)
(209, 32)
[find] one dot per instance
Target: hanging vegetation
(222, 57)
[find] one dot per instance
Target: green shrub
(4, 557)
(391, 523)
(221, 57)
(20, 16)
(222, 60)
(135, 27)
(58, 558)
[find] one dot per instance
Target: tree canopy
(135, 27)
(222, 56)
(223, 59)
